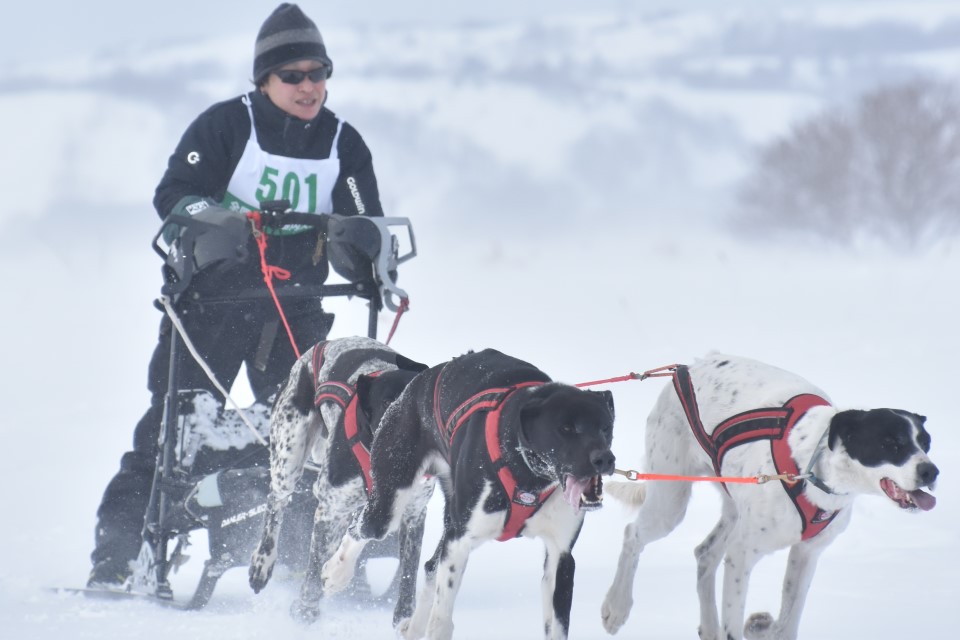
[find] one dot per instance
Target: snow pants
(226, 335)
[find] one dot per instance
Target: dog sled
(212, 468)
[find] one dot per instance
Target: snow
(587, 264)
(862, 327)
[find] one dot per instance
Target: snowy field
(873, 330)
(518, 251)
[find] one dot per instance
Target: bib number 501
(272, 187)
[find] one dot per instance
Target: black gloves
(189, 206)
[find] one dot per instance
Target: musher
(278, 141)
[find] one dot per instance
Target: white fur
(555, 523)
(296, 439)
(755, 520)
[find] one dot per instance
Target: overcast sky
(40, 31)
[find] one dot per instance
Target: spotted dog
(327, 412)
(730, 416)
(515, 453)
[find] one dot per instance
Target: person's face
(302, 99)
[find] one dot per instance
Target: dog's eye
(568, 429)
(893, 442)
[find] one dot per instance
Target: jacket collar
(273, 123)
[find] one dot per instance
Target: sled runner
(212, 468)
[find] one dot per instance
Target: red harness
(774, 424)
(344, 395)
(523, 503)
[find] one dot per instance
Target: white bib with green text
(261, 176)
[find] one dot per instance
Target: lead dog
(516, 454)
(327, 412)
(732, 416)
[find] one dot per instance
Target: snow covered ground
(534, 254)
(874, 330)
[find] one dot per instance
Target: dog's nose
(927, 472)
(603, 461)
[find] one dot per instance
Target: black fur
(879, 436)
(549, 432)
(300, 429)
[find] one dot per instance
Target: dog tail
(631, 494)
(303, 392)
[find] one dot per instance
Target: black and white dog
(516, 454)
(327, 413)
(733, 417)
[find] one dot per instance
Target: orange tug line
(631, 474)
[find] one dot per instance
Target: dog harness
(523, 503)
(773, 424)
(345, 395)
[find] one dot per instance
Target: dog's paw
(615, 609)
(303, 612)
(337, 573)
(440, 629)
(261, 568)
(758, 626)
(415, 626)
(405, 630)
(713, 634)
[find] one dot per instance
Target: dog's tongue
(923, 500)
(573, 489)
(907, 499)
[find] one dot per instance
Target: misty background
(574, 173)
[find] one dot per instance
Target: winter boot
(108, 574)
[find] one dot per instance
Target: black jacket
(215, 142)
(220, 134)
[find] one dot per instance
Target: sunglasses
(295, 76)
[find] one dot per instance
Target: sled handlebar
(275, 215)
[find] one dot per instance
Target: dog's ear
(843, 424)
(528, 414)
(923, 437)
(364, 396)
(410, 365)
(608, 398)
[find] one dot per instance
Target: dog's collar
(808, 473)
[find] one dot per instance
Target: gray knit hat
(286, 36)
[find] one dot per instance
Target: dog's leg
(379, 517)
(306, 608)
(801, 564)
(737, 567)
(448, 577)
(397, 468)
(662, 510)
(709, 554)
(411, 539)
(265, 555)
(416, 625)
(293, 427)
(338, 570)
(558, 570)
(328, 527)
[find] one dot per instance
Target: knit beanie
(287, 35)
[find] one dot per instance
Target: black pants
(226, 336)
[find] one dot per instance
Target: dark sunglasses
(295, 76)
